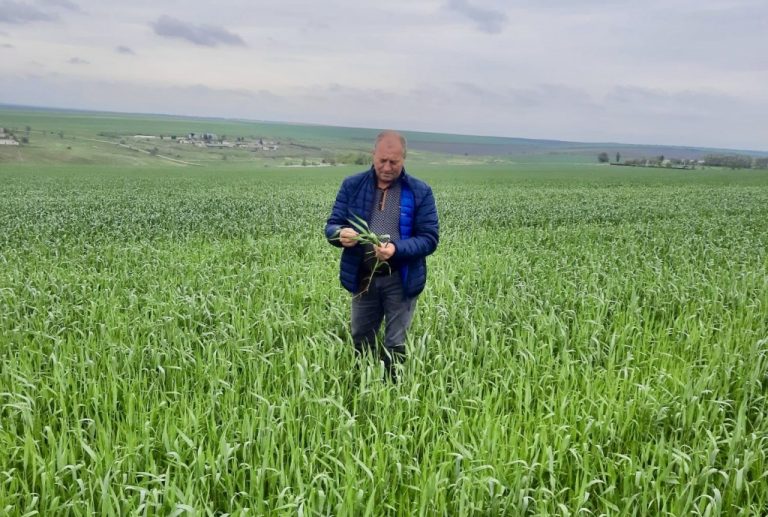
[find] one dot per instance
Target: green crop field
(173, 340)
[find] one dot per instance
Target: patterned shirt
(385, 219)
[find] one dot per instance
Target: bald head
(390, 136)
(388, 157)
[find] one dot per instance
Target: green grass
(590, 340)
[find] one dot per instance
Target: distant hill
(500, 146)
(328, 139)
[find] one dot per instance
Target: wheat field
(174, 342)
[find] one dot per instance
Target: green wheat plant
(366, 236)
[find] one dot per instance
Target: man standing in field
(396, 204)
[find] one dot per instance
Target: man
(396, 204)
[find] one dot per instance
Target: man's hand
(347, 237)
(385, 251)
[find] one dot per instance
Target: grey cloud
(624, 94)
(78, 61)
(678, 114)
(58, 91)
(7, 45)
(716, 38)
(473, 89)
(487, 20)
(563, 94)
(528, 97)
(18, 13)
(479, 93)
(678, 104)
(204, 35)
(64, 4)
(645, 97)
(121, 49)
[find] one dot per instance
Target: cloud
(18, 13)
(122, 49)
(60, 91)
(487, 20)
(64, 4)
(7, 45)
(204, 35)
(529, 97)
(693, 104)
(78, 61)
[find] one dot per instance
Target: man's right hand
(347, 237)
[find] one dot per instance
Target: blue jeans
(384, 301)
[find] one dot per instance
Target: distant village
(213, 141)
(7, 138)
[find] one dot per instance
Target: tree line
(736, 161)
(731, 161)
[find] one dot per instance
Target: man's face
(388, 160)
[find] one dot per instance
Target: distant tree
(603, 158)
(761, 163)
(154, 151)
(329, 157)
(618, 157)
(61, 134)
(29, 130)
(24, 140)
(732, 161)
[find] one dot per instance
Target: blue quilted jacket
(419, 229)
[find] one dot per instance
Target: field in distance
(77, 137)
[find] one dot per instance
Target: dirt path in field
(182, 162)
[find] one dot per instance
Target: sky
(674, 72)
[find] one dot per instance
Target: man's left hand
(385, 251)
